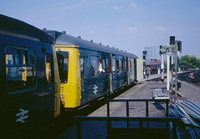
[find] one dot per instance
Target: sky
(129, 25)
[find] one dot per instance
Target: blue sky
(130, 25)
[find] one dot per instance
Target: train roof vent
(107, 45)
(91, 40)
(44, 29)
(79, 37)
(64, 32)
(113, 47)
(100, 43)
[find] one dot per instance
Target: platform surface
(143, 90)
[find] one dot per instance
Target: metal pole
(171, 79)
(167, 72)
(162, 68)
(176, 51)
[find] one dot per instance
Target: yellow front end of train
(70, 79)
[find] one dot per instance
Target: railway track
(193, 77)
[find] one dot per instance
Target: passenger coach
(90, 71)
(29, 84)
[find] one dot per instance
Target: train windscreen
(63, 61)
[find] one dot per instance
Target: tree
(190, 61)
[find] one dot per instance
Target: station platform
(143, 90)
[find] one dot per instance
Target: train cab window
(20, 74)
(49, 68)
(82, 67)
(63, 62)
(94, 66)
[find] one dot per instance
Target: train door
(84, 70)
(103, 72)
(110, 74)
(129, 70)
(70, 75)
(93, 82)
(119, 71)
(49, 100)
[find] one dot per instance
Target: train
(44, 72)
(90, 70)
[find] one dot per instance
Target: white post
(162, 68)
(168, 62)
(171, 79)
(176, 51)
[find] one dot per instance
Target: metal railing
(138, 100)
(127, 119)
(141, 121)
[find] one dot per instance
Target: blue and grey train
(89, 70)
(43, 72)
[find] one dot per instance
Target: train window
(24, 57)
(117, 65)
(113, 64)
(124, 65)
(9, 56)
(105, 64)
(82, 67)
(120, 66)
(20, 75)
(63, 65)
(130, 65)
(31, 58)
(17, 56)
(94, 66)
(49, 68)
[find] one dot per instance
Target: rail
(137, 100)
(145, 123)
(111, 131)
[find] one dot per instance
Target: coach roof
(19, 27)
(64, 39)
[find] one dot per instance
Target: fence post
(108, 108)
(78, 130)
(127, 112)
(109, 128)
(147, 108)
(167, 108)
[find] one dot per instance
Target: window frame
(52, 69)
(63, 59)
(95, 65)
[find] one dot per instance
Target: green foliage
(190, 61)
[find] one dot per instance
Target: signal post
(170, 49)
